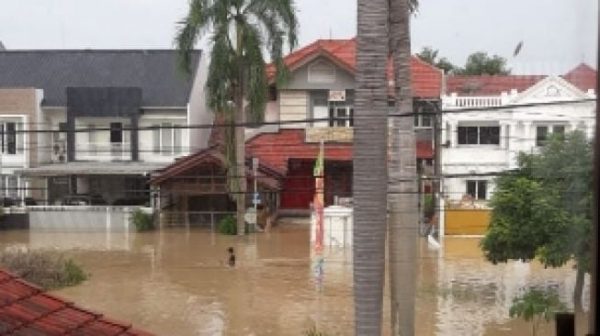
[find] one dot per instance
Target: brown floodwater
(175, 282)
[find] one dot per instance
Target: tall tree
(480, 63)
(544, 211)
(237, 81)
(402, 187)
(370, 170)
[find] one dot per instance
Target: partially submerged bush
(314, 332)
(536, 305)
(228, 226)
(47, 270)
(141, 220)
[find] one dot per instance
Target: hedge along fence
(142, 220)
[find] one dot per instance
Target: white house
(107, 118)
(480, 143)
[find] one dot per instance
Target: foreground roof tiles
(26, 310)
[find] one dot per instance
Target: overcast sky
(557, 34)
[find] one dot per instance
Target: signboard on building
(337, 95)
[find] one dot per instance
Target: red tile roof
(275, 149)
(426, 79)
(214, 155)
(487, 85)
(26, 310)
(583, 77)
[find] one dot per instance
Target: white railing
(103, 151)
(456, 101)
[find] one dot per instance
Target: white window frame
(551, 129)
(477, 182)
(167, 131)
(479, 127)
(335, 108)
(19, 137)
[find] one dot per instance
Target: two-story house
(95, 121)
(321, 89)
(486, 140)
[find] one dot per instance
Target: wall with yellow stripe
(467, 221)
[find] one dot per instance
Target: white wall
(198, 110)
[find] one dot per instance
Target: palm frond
(255, 77)
(188, 31)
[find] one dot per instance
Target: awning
(92, 168)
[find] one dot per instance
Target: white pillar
(528, 140)
(453, 133)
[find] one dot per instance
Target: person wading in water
(231, 260)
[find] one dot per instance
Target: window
(478, 135)
(320, 111)
(12, 141)
(423, 119)
(341, 116)
(543, 132)
(167, 139)
(61, 135)
(477, 189)
(116, 132)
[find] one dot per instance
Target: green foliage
(141, 220)
(44, 269)
(314, 332)
(543, 210)
(428, 206)
(430, 56)
(480, 63)
(535, 305)
(228, 226)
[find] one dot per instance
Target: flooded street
(175, 282)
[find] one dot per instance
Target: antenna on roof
(330, 33)
(2, 47)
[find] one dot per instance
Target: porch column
(133, 133)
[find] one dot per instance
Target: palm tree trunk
(240, 140)
(403, 220)
(370, 171)
(578, 292)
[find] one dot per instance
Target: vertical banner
(318, 202)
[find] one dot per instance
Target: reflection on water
(175, 282)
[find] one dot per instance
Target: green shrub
(314, 332)
(228, 226)
(141, 220)
(536, 305)
(48, 270)
(428, 206)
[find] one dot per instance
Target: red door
(299, 186)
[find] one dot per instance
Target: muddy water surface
(175, 282)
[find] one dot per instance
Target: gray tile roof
(154, 71)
